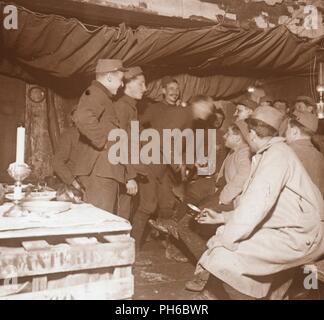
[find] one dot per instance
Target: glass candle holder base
(16, 211)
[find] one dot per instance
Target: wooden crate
(67, 263)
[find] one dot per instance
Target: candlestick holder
(320, 105)
(19, 172)
(320, 110)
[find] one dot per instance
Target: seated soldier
(307, 104)
(276, 226)
(236, 166)
(304, 104)
(301, 127)
(231, 179)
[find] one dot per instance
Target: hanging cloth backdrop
(65, 48)
(219, 61)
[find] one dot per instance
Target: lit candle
(20, 147)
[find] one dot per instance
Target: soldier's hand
(131, 187)
(209, 216)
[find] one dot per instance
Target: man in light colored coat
(277, 223)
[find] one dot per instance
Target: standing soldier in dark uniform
(95, 117)
(166, 115)
(66, 155)
(126, 112)
(154, 191)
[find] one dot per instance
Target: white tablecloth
(78, 215)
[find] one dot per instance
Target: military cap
(266, 99)
(307, 100)
(248, 103)
(133, 72)
(306, 119)
(268, 115)
(109, 65)
(244, 129)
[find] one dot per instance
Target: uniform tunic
(160, 116)
(95, 117)
(126, 112)
(312, 159)
(236, 169)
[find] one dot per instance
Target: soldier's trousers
(147, 204)
(155, 191)
(101, 192)
(166, 199)
(125, 202)
(193, 234)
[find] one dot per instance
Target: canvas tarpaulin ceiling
(52, 46)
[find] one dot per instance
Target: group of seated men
(260, 214)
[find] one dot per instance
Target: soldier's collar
(131, 101)
(103, 88)
(270, 143)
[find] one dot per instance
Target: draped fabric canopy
(221, 61)
(65, 48)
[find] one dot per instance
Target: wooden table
(84, 253)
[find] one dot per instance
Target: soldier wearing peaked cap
(95, 117)
(126, 111)
(305, 104)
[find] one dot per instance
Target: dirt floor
(165, 279)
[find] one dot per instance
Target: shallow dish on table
(36, 196)
(46, 207)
